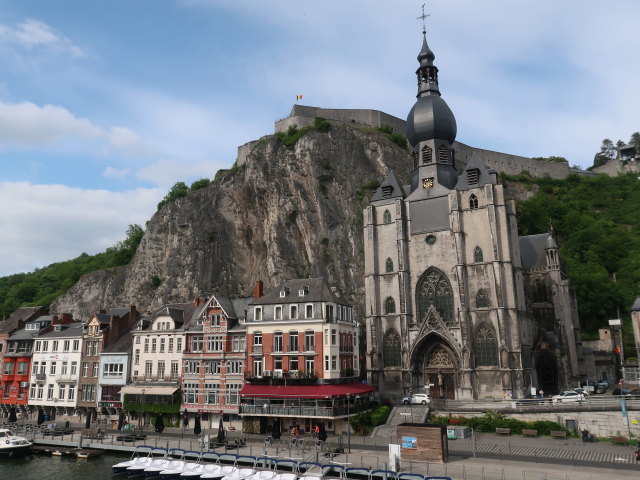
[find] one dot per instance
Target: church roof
(474, 175)
(391, 181)
(532, 251)
(430, 118)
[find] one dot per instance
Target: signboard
(55, 356)
(615, 321)
(110, 404)
(410, 442)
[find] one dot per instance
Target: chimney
(258, 291)
(66, 318)
(54, 320)
(197, 301)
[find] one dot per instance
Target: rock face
(286, 213)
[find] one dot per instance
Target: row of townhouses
(286, 357)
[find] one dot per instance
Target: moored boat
(11, 444)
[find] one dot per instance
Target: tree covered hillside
(43, 285)
(597, 225)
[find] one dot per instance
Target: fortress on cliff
(303, 116)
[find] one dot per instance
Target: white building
(114, 374)
(156, 361)
(56, 369)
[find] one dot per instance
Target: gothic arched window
(414, 156)
(389, 305)
(482, 299)
(391, 349)
(486, 347)
(477, 255)
(386, 217)
(388, 265)
(434, 289)
(473, 202)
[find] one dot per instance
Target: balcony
(283, 377)
(41, 377)
(311, 410)
(66, 378)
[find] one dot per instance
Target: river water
(45, 467)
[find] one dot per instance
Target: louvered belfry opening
(427, 155)
(387, 190)
(473, 175)
(443, 154)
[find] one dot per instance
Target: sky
(105, 104)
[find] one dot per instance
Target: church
(457, 304)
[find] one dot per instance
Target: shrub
(198, 184)
(321, 125)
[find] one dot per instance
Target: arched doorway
(439, 372)
(547, 372)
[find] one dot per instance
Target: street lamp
(348, 423)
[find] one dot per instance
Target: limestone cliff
(286, 213)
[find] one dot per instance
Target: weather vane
(423, 17)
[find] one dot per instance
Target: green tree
(635, 141)
(607, 152)
(179, 189)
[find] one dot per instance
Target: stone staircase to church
(401, 414)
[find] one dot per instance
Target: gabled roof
(474, 168)
(22, 314)
(122, 344)
(317, 291)
(636, 305)
(69, 330)
(532, 251)
(396, 190)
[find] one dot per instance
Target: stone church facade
(456, 302)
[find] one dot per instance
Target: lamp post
(143, 410)
(348, 423)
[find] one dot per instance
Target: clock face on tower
(427, 182)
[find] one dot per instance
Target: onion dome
(430, 118)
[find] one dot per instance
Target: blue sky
(104, 104)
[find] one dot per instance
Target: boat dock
(60, 451)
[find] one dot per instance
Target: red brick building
(214, 359)
(302, 358)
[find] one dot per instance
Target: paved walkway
(496, 457)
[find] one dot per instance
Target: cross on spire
(423, 17)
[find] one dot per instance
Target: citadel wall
(302, 116)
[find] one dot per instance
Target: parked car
(621, 392)
(601, 387)
(567, 396)
(581, 391)
(417, 398)
(589, 386)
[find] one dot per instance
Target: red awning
(306, 391)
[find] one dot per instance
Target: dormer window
(387, 190)
(284, 292)
(303, 291)
(473, 175)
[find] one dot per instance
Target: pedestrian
(541, 393)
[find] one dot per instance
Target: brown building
(100, 331)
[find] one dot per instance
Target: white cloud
(117, 173)
(28, 125)
(165, 173)
(42, 224)
(36, 34)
